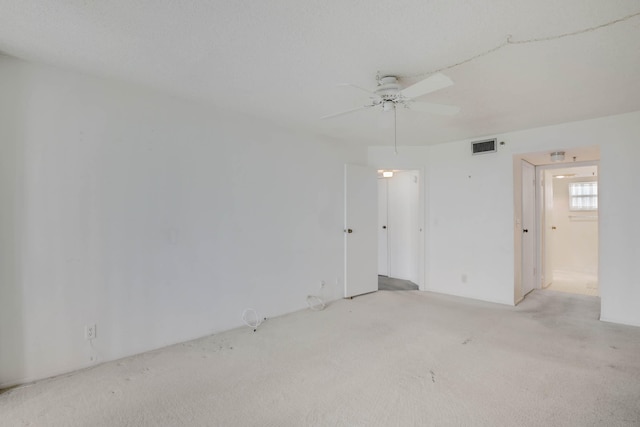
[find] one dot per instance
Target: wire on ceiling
(509, 41)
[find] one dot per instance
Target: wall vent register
(485, 146)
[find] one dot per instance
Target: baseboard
(619, 321)
(494, 301)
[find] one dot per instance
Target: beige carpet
(384, 359)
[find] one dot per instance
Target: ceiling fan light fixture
(388, 106)
(557, 156)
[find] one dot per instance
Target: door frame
(418, 254)
(534, 230)
(383, 183)
(422, 238)
(541, 162)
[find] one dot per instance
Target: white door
(360, 226)
(383, 219)
(403, 223)
(549, 227)
(528, 227)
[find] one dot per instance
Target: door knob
(525, 230)
(384, 227)
(348, 230)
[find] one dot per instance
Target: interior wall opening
(398, 229)
(565, 228)
(569, 240)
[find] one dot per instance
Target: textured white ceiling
(283, 59)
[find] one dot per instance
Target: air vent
(482, 147)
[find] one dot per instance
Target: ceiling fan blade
(330, 116)
(430, 84)
(428, 107)
(357, 87)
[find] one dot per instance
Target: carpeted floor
(384, 359)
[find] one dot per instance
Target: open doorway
(569, 217)
(563, 249)
(398, 229)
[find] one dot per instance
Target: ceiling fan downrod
(395, 129)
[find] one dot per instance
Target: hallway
(574, 283)
(390, 284)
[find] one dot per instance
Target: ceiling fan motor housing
(388, 89)
(389, 94)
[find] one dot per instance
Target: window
(583, 196)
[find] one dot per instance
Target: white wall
(472, 211)
(156, 218)
(619, 232)
(161, 220)
(12, 323)
(471, 216)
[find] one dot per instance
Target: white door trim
(529, 271)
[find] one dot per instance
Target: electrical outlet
(90, 331)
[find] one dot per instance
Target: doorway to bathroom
(569, 218)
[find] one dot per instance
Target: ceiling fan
(389, 94)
